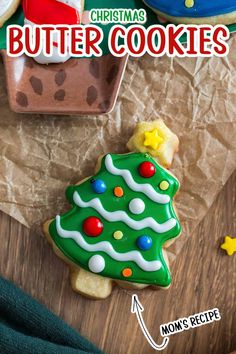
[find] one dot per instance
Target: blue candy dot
(98, 186)
(144, 242)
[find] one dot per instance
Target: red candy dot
(147, 169)
(92, 226)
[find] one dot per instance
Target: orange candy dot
(127, 272)
(118, 192)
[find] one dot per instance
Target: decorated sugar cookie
(7, 9)
(196, 11)
(54, 12)
(118, 225)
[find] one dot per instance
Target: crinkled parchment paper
(41, 155)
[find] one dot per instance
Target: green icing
(73, 221)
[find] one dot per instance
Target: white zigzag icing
(121, 215)
(105, 246)
(143, 188)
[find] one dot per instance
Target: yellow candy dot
(164, 185)
(118, 235)
(189, 3)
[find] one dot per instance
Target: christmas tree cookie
(119, 223)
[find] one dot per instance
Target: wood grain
(203, 278)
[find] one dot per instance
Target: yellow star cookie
(229, 245)
(153, 139)
(156, 139)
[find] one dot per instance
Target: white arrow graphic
(137, 308)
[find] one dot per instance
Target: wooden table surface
(204, 277)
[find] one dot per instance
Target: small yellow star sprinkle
(229, 245)
(153, 139)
